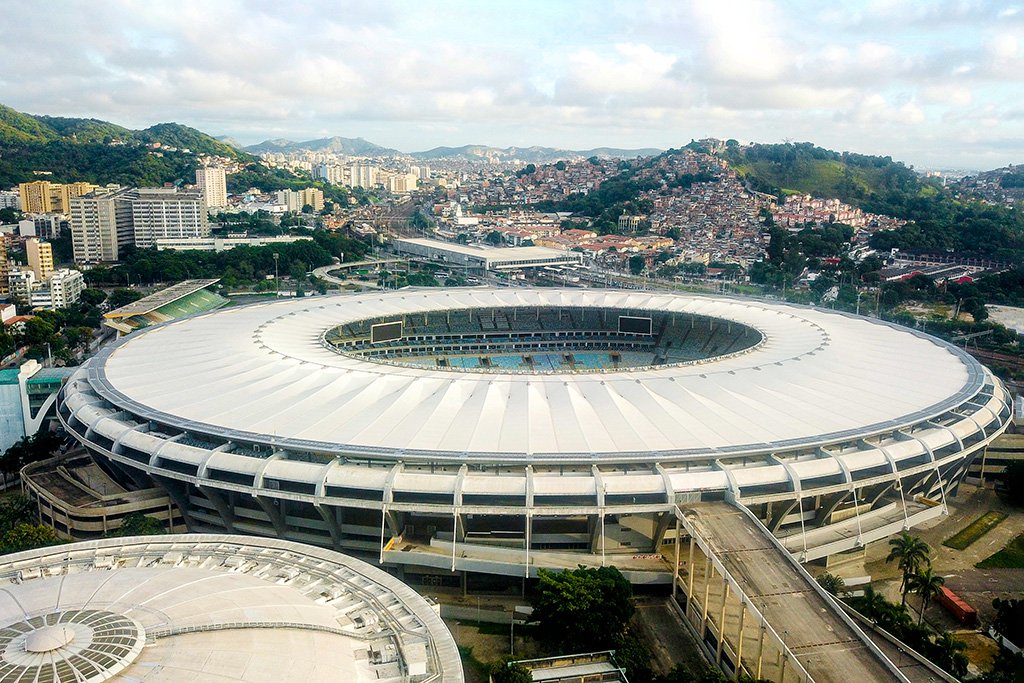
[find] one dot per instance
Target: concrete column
(760, 647)
(327, 514)
(272, 508)
(660, 528)
(739, 641)
(227, 514)
(721, 621)
(675, 568)
(689, 571)
(708, 570)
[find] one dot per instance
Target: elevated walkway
(755, 609)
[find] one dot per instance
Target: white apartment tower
(101, 224)
(213, 184)
(363, 175)
(167, 213)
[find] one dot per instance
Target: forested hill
(98, 151)
(857, 179)
(940, 222)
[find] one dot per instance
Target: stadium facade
(503, 430)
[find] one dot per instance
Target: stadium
(497, 431)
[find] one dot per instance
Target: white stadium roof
(263, 373)
(213, 608)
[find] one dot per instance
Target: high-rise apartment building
(167, 213)
(40, 258)
(5, 266)
(295, 200)
(42, 196)
(101, 224)
(403, 183)
(10, 199)
(20, 284)
(212, 183)
(363, 175)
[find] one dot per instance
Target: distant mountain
(361, 147)
(336, 144)
(528, 154)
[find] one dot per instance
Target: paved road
(666, 634)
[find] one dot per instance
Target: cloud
(893, 76)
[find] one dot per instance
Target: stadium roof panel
(165, 296)
(262, 372)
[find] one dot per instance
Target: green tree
(927, 585)
(832, 583)
(583, 609)
(122, 297)
(93, 297)
(494, 237)
(27, 537)
(138, 524)
(637, 263)
(505, 671)
(910, 553)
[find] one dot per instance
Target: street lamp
(277, 281)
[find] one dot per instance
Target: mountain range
(362, 147)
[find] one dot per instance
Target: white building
(403, 183)
(159, 213)
(213, 184)
(60, 290)
(363, 175)
(219, 244)
(330, 173)
(20, 284)
(101, 224)
(10, 199)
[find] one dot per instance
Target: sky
(936, 83)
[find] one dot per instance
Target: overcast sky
(935, 83)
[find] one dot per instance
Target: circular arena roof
(264, 373)
(211, 608)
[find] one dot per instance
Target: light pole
(277, 281)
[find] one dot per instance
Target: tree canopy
(583, 609)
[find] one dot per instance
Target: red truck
(957, 606)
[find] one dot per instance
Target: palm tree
(911, 553)
(928, 585)
(832, 583)
(871, 604)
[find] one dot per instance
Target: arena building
(213, 608)
(496, 431)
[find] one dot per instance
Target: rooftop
(212, 608)
(165, 296)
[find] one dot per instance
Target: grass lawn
(1010, 557)
(975, 530)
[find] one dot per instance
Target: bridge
(757, 611)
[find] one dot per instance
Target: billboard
(382, 332)
(634, 324)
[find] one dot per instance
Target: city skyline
(933, 84)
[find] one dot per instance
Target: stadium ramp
(756, 610)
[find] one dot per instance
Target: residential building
(101, 224)
(42, 196)
(330, 173)
(295, 200)
(20, 284)
(363, 175)
(166, 213)
(40, 258)
(10, 199)
(45, 226)
(403, 183)
(212, 183)
(63, 288)
(5, 266)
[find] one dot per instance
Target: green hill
(802, 167)
(73, 149)
(18, 127)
